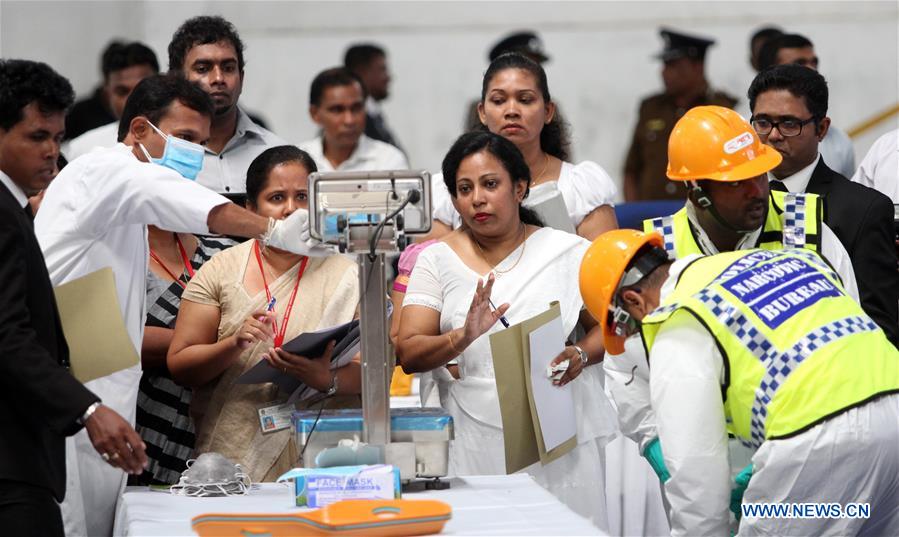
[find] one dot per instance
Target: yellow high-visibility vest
(797, 349)
(793, 221)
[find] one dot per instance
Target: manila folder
(92, 322)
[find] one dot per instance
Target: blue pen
(502, 318)
(270, 307)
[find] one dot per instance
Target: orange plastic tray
(348, 517)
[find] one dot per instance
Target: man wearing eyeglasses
(836, 147)
(789, 112)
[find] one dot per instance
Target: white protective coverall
(851, 457)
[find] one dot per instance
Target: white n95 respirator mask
(212, 474)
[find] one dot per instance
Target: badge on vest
(779, 290)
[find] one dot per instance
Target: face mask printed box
(318, 487)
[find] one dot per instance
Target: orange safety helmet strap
(705, 201)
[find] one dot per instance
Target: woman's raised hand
(480, 315)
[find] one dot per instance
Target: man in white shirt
(880, 167)
(208, 51)
(369, 63)
(764, 345)
(124, 66)
(836, 147)
(94, 215)
(789, 113)
(337, 106)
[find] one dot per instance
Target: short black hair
(262, 165)
(118, 56)
(152, 97)
(23, 82)
(358, 57)
(800, 81)
(329, 78)
(765, 32)
(203, 30)
(768, 52)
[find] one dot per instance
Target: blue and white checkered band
(794, 221)
(778, 364)
(665, 226)
(817, 261)
(662, 310)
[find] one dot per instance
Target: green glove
(736, 494)
(653, 455)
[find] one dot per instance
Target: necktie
(28, 211)
(777, 185)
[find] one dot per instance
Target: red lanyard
(279, 334)
(184, 259)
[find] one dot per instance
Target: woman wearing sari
(502, 254)
(241, 306)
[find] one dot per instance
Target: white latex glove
(292, 234)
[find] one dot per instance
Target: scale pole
(376, 364)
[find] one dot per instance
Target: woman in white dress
(577, 198)
(499, 252)
(516, 104)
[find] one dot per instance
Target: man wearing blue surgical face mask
(180, 155)
(95, 215)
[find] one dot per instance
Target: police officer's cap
(679, 45)
(527, 43)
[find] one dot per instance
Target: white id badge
(275, 417)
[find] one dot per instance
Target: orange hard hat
(716, 143)
(602, 268)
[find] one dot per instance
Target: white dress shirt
(837, 150)
(880, 167)
(370, 155)
(105, 136)
(226, 172)
(14, 189)
(798, 182)
(95, 215)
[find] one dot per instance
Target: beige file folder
(92, 322)
(523, 439)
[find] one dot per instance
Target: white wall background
(601, 55)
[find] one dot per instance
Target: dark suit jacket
(40, 400)
(862, 218)
(377, 129)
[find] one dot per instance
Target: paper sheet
(554, 404)
(99, 344)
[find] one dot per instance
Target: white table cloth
(482, 505)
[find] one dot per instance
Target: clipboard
(99, 344)
(522, 436)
